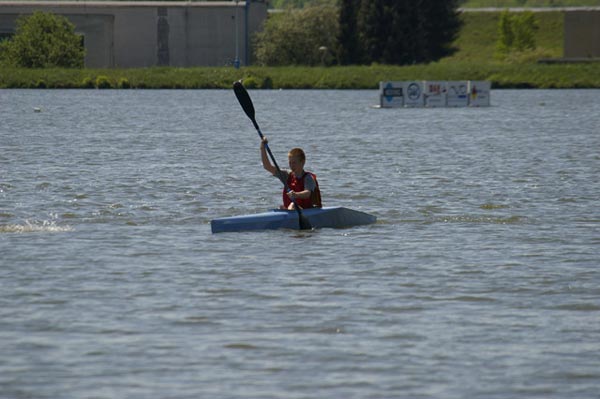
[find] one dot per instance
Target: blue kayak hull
(332, 217)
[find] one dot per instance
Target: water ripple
(479, 280)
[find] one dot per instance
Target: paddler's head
(296, 159)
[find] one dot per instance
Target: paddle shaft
(271, 156)
(248, 107)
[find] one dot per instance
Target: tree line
(356, 32)
(353, 32)
(281, 4)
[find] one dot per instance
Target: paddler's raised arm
(265, 158)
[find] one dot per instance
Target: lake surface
(480, 279)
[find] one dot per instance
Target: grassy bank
(473, 61)
(367, 77)
(479, 34)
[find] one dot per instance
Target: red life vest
(297, 185)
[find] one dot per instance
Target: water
(480, 279)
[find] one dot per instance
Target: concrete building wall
(144, 34)
(582, 34)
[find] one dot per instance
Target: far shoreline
(501, 75)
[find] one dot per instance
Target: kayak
(333, 217)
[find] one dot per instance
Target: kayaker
(302, 186)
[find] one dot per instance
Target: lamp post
(236, 62)
(323, 51)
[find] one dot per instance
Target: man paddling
(303, 186)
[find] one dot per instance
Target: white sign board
(435, 94)
(479, 93)
(456, 93)
(391, 94)
(413, 94)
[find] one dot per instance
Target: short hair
(297, 153)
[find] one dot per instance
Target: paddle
(246, 103)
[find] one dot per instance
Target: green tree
(305, 36)
(406, 41)
(506, 35)
(525, 27)
(43, 40)
(516, 32)
(349, 50)
(442, 25)
(401, 31)
(373, 28)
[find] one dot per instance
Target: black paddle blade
(244, 99)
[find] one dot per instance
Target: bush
(123, 83)
(250, 82)
(87, 83)
(267, 83)
(525, 27)
(516, 32)
(102, 82)
(43, 40)
(295, 37)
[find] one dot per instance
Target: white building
(133, 34)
